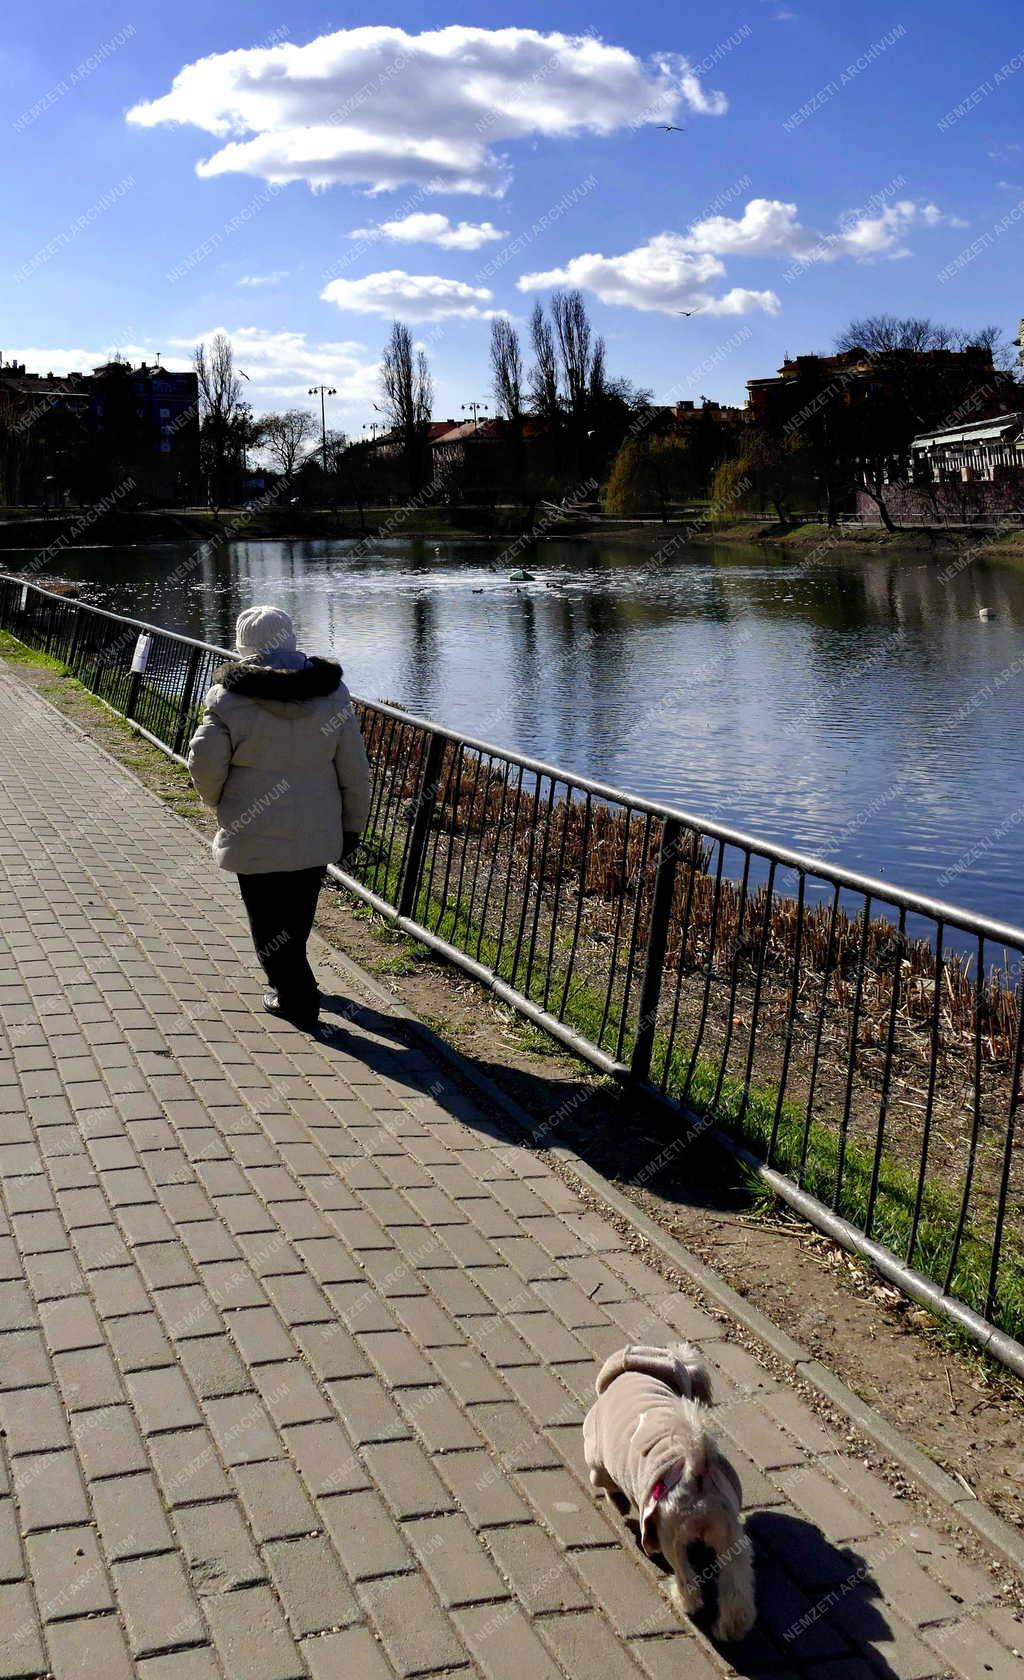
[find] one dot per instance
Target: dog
(645, 1441)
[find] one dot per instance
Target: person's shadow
(609, 1128)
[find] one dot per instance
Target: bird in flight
(686, 312)
(672, 128)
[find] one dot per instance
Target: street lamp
(474, 408)
(325, 391)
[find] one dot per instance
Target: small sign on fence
(24, 597)
(140, 658)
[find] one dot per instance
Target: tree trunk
(878, 497)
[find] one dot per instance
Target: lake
(853, 706)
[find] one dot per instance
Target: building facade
(74, 437)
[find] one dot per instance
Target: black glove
(351, 841)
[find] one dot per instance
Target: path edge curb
(992, 1529)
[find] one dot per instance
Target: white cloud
(378, 106)
(62, 361)
(281, 366)
(420, 297)
(662, 275)
(769, 227)
(672, 271)
(433, 229)
(272, 279)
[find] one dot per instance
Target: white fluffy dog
(645, 1437)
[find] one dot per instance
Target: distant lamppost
(373, 427)
(474, 408)
(324, 391)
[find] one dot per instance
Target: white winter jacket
(280, 756)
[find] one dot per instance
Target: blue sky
(835, 161)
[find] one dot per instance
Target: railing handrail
(903, 898)
(651, 997)
(119, 618)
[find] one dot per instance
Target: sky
(727, 185)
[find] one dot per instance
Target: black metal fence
(863, 1044)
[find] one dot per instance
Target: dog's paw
(686, 1595)
(734, 1622)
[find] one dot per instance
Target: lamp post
(324, 391)
(474, 408)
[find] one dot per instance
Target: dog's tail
(697, 1380)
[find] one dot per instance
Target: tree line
(565, 426)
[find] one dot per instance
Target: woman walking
(280, 757)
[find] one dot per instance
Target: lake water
(855, 707)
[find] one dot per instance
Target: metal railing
(859, 1045)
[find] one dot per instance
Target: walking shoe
(307, 1019)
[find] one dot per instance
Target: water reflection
(853, 706)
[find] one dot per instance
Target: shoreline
(51, 535)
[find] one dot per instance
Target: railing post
(426, 805)
(134, 684)
(187, 697)
(654, 957)
(75, 639)
(140, 659)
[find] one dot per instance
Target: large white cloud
(769, 227)
(60, 360)
(281, 366)
(672, 271)
(378, 106)
(426, 228)
(420, 297)
(662, 275)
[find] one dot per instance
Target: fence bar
(426, 805)
(187, 700)
(654, 958)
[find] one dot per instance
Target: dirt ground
(959, 1407)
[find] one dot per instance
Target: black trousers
(281, 907)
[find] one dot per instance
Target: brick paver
(294, 1348)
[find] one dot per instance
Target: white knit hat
(264, 630)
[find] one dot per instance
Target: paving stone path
(295, 1345)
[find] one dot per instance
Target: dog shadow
(816, 1602)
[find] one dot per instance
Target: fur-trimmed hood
(314, 680)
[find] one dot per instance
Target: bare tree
(507, 383)
(408, 392)
(507, 370)
(544, 373)
(220, 410)
(882, 334)
(572, 331)
(598, 376)
(337, 445)
(286, 438)
(1004, 353)
(886, 335)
